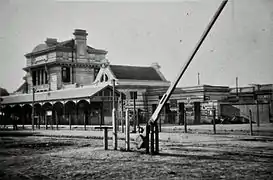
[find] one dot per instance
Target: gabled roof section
(92, 50)
(135, 72)
(22, 88)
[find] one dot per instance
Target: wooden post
(46, 120)
(105, 140)
(51, 121)
(250, 123)
(134, 113)
(122, 117)
(57, 120)
(156, 139)
(84, 120)
(147, 140)
(122, 122)
(258, 113)
(39, 120)
(185, 121)
(33, 108)
(160, 122)
(115, 140)
(137, 118)
(127, 132)
(213, 121)
(152, 138)
(69, 119)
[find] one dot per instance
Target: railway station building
(74, 83)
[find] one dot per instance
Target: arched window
(101, 78)
(105, 78)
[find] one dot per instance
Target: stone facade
(54, 65)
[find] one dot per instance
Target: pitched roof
(40, 48)
(135, 72)
(96, 51)
(22, 88)
(67, 94)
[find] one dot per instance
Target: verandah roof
(67, 94)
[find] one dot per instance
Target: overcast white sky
(240, 43)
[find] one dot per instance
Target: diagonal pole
(167, 95)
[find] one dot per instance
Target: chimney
(51, 42)
(80, 42)
(155, 65)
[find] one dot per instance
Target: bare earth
(35, 157)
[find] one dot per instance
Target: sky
(142, 32)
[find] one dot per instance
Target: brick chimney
(51, 42)
(80, 42)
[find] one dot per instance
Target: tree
(3, 92)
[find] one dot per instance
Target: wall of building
(83, 75)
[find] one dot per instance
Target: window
(133, 94)
(34, 78)
(38, 79)
(42, 80)
(96, 71)
(46, 77)
(66, 74)
(105, 78)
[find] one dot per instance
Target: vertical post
(46, 120)
(152, 138)
(147, 140)
(160, 122)
(64, 117)
(39, 120)
(213, 120)
(127, 130)
(134, 113)
(258, 113)
(69, 119)
(156, 139)
(84, 120)
(137, 118)
(113, 93)
(51, 121)
(237, 92)
(33, 101)
(185, 122)
(250, 122)
(122, 117)
(115, 140)
(1, 108)
(105, 138)
(57, 120)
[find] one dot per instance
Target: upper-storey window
(104, 78)
(34, 78)
(133, 94)
(66, 74)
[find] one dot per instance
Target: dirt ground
(32, 157)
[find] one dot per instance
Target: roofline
(60, 99)
(76, 64)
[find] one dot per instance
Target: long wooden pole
(167, 95)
